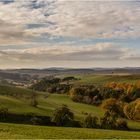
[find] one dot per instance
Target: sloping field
(14, 131)
(103, 78)
(46, 106)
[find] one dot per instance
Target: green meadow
(14, 131)
(103, 78)
(47, 106)
(17, 100)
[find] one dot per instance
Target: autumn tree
(113, 106)
(132, 110)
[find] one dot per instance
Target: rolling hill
(46, 106)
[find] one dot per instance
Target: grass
(14, 131)
(57, 100)
(11, 90)
(103, 78)
(21, 105)
(47, 107)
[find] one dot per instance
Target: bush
(87, 100)
(108, 121)
(45, 83)
(77, 98)
(3, 113)
(25, 119)
(121, 124)
(34, 101)
(111, 121)
(35, 120)
(90, 121)
(4, 110)
(96, 100)
(113, 106)
(63, 116)
(132, 110)
(77, 91)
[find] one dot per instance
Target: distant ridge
(60, 70)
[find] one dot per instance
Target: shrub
(4, 110)
(111, 121)
(87, 100)
(77, 98)
(90, 121)
(3, 113)
(63, 116)
(132, 110)
(44, 83)
(121, 124)
(25, 119)
(108, 121)
(96, 100)
(35, 120)
(77, 91)
(69, 78)
(34, 101)
(113, 106)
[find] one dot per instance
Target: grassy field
(103, 78)
(14, 131)
(46, 106)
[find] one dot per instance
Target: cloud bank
(39, 22)
(64, 55)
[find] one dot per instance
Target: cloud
(15, 16)
(65, 23)
(84, 19)
(98, 52)
(92, 19)
(105, 54)
(12, 34)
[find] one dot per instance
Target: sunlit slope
(14, 131)
(21, 102)
(46, 106)
(103, 78)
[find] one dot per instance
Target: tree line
(54, 85)
(125, 98)
(127, 95)
(63, 116)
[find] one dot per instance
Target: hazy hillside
(27, 76)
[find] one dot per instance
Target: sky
(69, 33)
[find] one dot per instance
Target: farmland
(18, 100)
(14, 131)
(47, 106)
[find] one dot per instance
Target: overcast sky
(69, 33)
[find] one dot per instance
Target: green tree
(3, 113)
(63, 116)
(34, 101)
(108, 121)
(90, 121)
